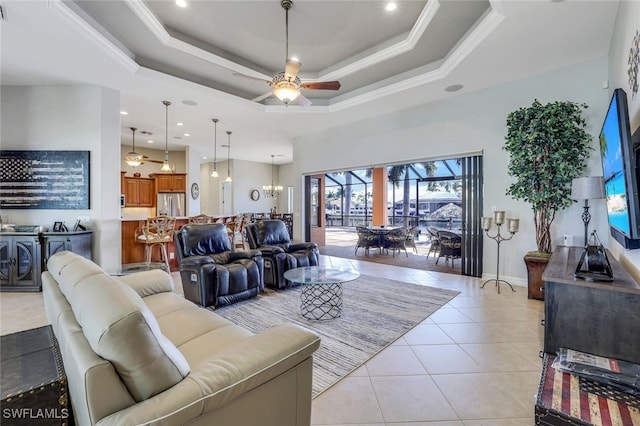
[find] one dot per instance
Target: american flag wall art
(44, 180)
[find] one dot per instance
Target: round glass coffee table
(321, 296)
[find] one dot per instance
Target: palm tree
(402, 171)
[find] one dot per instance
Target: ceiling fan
(286, 85)
(135, 159)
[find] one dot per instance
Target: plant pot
(536, 263)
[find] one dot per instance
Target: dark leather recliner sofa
(271, 237)
(211, 273)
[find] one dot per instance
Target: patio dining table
(381, 231)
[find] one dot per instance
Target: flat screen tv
(620, 174)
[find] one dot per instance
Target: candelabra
(512, 225)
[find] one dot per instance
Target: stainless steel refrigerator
(171, 204)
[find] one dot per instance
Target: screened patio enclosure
(414, 192)
(446, 194)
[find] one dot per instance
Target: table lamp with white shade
(587, 188)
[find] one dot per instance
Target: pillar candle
(499, 217)
(514, 225)
(486, 223)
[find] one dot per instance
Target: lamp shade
(587, 188)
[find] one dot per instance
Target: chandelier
(273, 190)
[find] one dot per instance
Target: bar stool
(157, 231)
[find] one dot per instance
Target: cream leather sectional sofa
(136, 353)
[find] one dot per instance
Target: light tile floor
(473, 362)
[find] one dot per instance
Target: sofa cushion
(120, 328)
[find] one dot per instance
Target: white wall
(474, 122)
(71, 118)
(627, 24)
(192, 165)
(250, 175)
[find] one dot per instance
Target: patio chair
(395, 240)
(366, 239)
(450, 246)
(411, 238)
(434, 246)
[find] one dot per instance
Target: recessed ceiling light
(187, 134)
(181, 3)
(149, 141)
(204, 158)
(124, 113)
(179, 124)
(453, 88)
(190, 103)
(177, 137)
(391, 6)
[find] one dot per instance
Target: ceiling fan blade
(321, 85)
(302, 101)
(292, 68)
(147, 160)
(237, 74)
(261, 97)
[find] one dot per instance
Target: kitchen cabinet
(138, 191)
(20, 263)
(170, 182)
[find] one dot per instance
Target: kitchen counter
(134, 252)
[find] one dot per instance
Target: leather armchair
(212, 274)
(271, 237)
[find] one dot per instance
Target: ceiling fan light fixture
(286, 92)
(133, 159)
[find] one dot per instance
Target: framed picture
(44, 180)
(57, 227)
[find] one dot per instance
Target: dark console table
(602, 318)
(24, 255)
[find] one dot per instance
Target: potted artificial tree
(549, 147)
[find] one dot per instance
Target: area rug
(375, 313)
(413, 260)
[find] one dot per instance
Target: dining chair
(450, 246)
(157, 232)
(395, 240)
(201, 218)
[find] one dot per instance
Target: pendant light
(228, 179)
(273, 190)
(214, 173)
(133, 158)
(165, 165)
